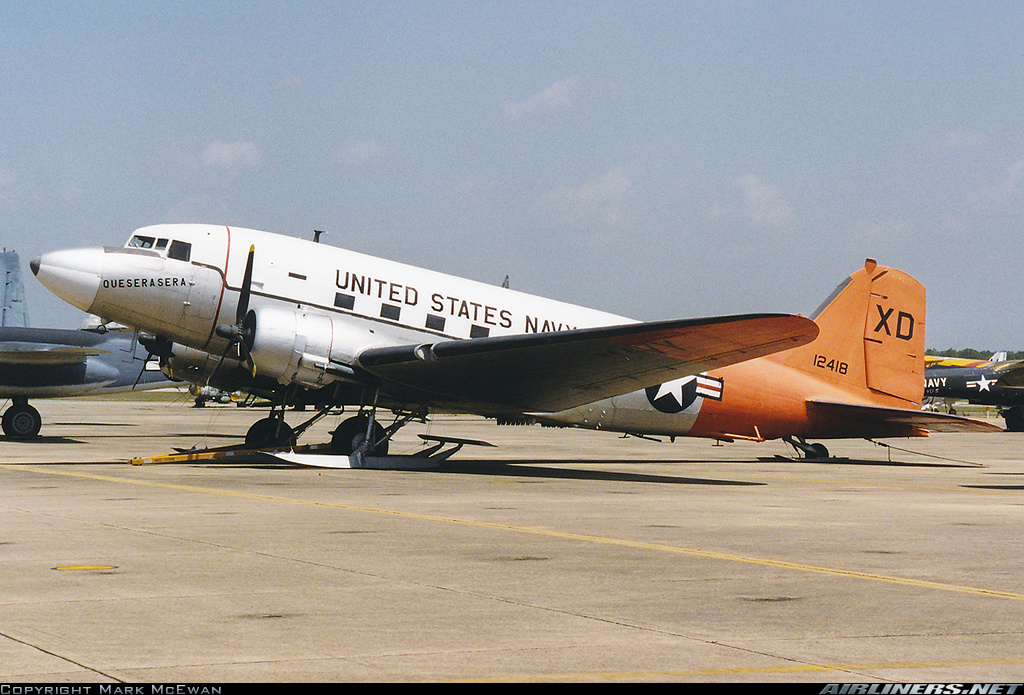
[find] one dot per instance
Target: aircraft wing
(926, 420)
(563, 369)
(1010, 373)
(939, 361)
(13, 353)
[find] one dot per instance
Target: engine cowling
(188, 364)
(296, 346)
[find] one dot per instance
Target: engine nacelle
(294, 346)
(188, 364)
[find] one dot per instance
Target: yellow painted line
(84, 568)
(550, 533)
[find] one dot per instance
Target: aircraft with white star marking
(999, 383)
(239, 309)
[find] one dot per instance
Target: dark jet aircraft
(51, 362)
(991, 383)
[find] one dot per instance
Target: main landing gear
(272, 431)
(363, 433)
(359, 433)
(1014, 417)
(21, 421)
(355, 432)
(812, 452)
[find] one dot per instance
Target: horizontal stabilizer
(881, 417)
(563, 369)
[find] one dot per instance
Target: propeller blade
(243, 297)
(142, 371)
(235, 334)
(243, 347)
(223, 357)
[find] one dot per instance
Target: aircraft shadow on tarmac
(524, 468)
(552, 468)
(41, 440)
(546, 469)
(898, 464)
(543, 469)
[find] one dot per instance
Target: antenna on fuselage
(316, 235)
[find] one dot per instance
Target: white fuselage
(318, 306)
(394, 303)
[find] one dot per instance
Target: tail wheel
(351, 434)
(817, 451)
(22, 421)
(811, 452)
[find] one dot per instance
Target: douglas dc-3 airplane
(238, 308)
(54, 362)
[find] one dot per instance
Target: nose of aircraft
(74, 275)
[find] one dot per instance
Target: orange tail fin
(871, 336)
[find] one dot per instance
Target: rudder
(871, 335)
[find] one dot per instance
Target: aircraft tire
(817, 451)
(269, 432)
(1014, 418)
(22, 421)
(352, 432)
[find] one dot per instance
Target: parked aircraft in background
(49, 362)
(942, 361)
(999, 382)
(242, 309)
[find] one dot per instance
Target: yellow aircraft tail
(871, 337)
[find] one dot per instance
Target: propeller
(155, 347)
(240, 334)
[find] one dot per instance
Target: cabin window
(435, 323)
(141, 242)
(180, 251)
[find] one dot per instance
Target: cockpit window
(180, 251)
(141, 242)
(161, 244)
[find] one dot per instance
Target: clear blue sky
(660, 160)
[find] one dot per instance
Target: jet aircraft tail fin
(871, 336)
